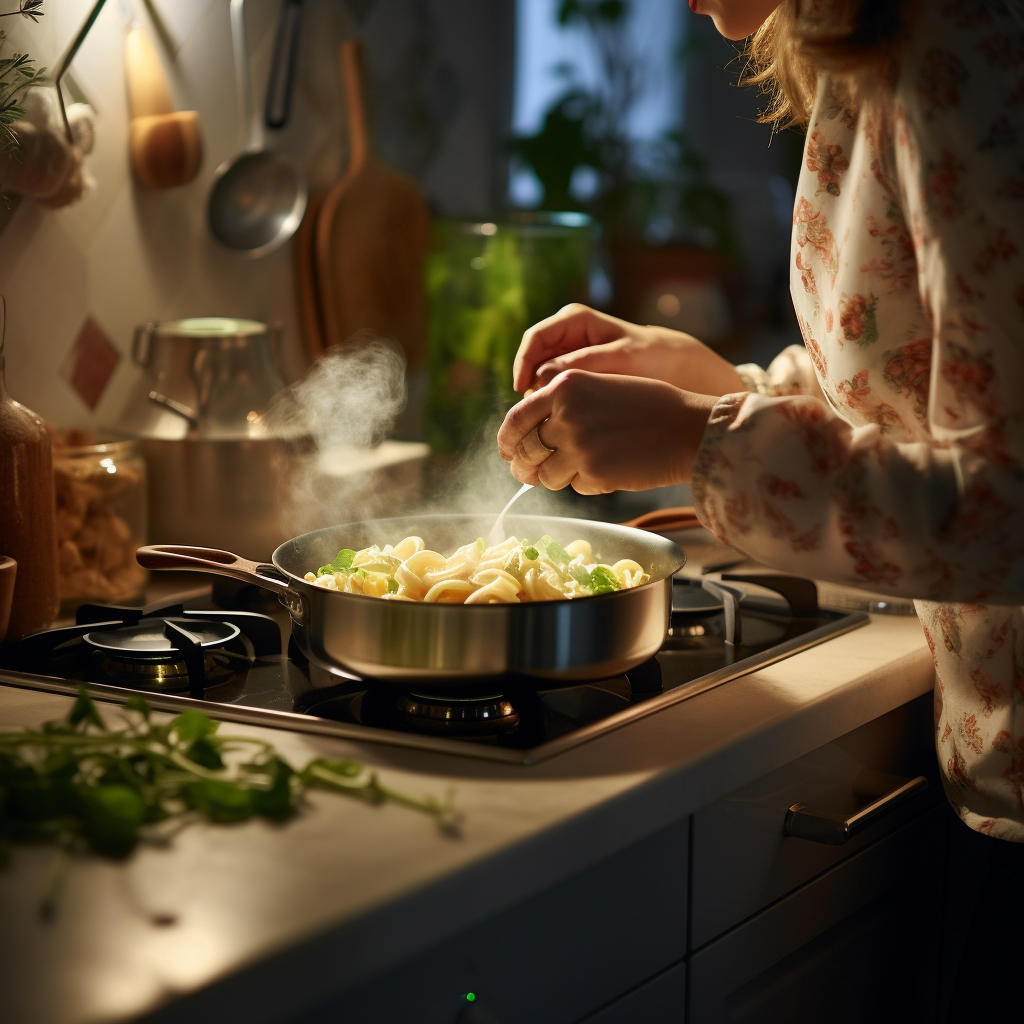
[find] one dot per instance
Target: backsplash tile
(90, 363)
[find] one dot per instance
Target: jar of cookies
(100, 490)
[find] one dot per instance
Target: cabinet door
(742, 859)
(553, 959)
(662, 1000)
(859, 943)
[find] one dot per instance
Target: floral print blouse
(888, 452)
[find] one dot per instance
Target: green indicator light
(470, 997)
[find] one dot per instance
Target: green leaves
(554, 551)
(111, 817)
(192, 725)
(599, 581)
(81, 785)
(84, 710)
(603, 580)
(17, 76)
(342, 562)
(564, 561)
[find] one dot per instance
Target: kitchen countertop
(348, 890)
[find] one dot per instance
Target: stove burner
(172, 673)
(158, 647)
(147, 639)
(453, 713)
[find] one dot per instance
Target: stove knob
(475, 1012)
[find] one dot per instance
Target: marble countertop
(361, 887)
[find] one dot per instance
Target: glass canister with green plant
(486, 284)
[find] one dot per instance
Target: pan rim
(677, 553)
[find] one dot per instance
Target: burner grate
(161, 644)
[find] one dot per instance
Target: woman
(888, 453)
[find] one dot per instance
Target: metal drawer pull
(803, 823)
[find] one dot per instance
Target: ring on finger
(532, 450)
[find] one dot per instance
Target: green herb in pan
(342, 562)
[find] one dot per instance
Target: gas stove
(235, 665)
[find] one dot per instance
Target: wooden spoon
(165, 145)
(371, 238)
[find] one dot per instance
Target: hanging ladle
(258, 197)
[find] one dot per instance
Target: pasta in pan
(505, 573)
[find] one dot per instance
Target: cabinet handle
(804, 823)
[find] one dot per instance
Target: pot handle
(142, 339)
(664, 520)
(223, 563)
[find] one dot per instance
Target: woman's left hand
(600, 433)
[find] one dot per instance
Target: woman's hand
(603, 433)
(580, 338)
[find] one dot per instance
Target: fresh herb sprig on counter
(85, 786)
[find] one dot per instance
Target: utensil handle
(282, 68)
(663, 520)
(250, 121)
(354, 76)
(149, 93)
(222, 563)
(69, 56)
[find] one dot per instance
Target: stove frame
(798, 594)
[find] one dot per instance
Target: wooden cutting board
(310, 312)
(370, 240)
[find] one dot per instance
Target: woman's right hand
(580, 338)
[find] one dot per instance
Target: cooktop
(234, 664)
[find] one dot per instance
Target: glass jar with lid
(100, 492)
(486, 283)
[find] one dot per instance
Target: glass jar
(486, 284)
(101, 521)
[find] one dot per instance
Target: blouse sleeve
(790, 483)
(789, 373)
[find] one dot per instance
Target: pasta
(505, 573)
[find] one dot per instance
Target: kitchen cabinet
(718, 918)
(662, 1000)
(789, 929)
(861, 941)
(554, 959)
(742, 858)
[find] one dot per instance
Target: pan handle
(664, 520)
(223, 563)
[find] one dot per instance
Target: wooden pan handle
(665, 520)
(222, 563)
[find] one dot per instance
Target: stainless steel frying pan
(448, 645)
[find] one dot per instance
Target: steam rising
(346, 405)
(351, 395)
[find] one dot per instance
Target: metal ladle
(258, 197)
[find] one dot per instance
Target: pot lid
(209, 327)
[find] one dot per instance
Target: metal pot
(222, 493)
(215, 376)
(216, 475)
(458, 645)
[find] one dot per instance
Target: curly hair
(857, 41)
